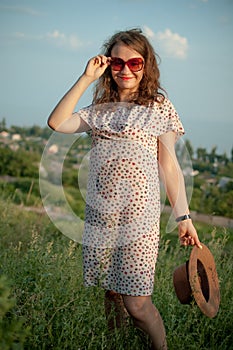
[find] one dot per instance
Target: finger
(187, 240)
(191, 241)
(197, 242)
(97, 60)
(183, 241)
(103, 60)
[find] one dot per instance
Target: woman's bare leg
(147, 317)
(115, 310)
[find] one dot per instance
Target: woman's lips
(125, 78)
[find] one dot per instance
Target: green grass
(47, 307)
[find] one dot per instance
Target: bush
(12, 331)
(24, 191)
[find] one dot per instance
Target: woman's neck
(126, 96)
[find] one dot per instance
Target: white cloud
(148, 32)
(60, 39)
(169, 43)
(56, 35)
(20, 9)
(19, 35)
(56, 38)
(173, 44)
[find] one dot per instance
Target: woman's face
(126, 80)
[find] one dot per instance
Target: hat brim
(203, 280)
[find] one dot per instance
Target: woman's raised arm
(63, 118)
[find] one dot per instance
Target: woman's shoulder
(164, 105)
(161, 101)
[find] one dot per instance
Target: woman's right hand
(96, 66)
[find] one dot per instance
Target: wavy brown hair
(150, 89)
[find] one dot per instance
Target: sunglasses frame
(122, 64)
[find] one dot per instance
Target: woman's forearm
(65, 107)
(171, 174)
(175, 188)
(173, 180)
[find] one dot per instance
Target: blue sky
(45, 46)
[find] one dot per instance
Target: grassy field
(43, 304)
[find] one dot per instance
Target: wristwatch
(183, 217)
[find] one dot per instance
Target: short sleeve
(86, 114)
(169, 118)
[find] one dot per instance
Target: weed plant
(52, 310)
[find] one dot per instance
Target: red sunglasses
(135, 64)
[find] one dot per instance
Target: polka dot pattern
(121, 234)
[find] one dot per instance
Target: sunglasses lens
(117, 64)
(135, 64)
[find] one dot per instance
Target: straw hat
(198, 278)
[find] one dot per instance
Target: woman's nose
(125, 69)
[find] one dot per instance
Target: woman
(134, 129)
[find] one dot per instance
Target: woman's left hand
(188, 234)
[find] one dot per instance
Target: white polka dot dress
(121, 234)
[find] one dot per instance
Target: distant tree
(19, 163)
(223, 159)
(189, 148)
(201, 154)
(212, 155)
(35, 130)
(14, 129)
(6, 159)
(46, 132)
(31, 131)
(226, 170)
(3, 125)
(229, 186)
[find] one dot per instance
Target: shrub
(12, 331)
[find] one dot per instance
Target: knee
(136, 307)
